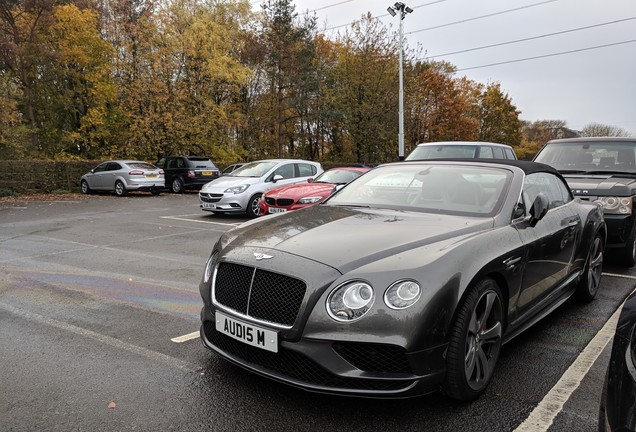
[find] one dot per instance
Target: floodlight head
(399, 6)
(391, 11)
(408, 10)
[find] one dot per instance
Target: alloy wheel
(483, 340)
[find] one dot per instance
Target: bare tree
(601, 130)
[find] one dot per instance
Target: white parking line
(184, 338)
(542, 417)
(199, 221)
(103, 339)
(620, 276)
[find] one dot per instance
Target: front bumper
(333, 367)
(619, 229)
(220, 202)
(379, 356)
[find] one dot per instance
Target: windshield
(338, 176)
(426, 152)
(453, 189)
(590, 156)
(253, 169)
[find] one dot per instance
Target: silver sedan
(121, 176)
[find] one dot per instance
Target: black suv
(602, 170)
(187, 172)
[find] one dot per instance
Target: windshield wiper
(618, 173)
(352, 205)
(573, 171)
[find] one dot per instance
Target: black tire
(176, 186)
(475, 342)
(591, 278)
(253, 209)
(85, 188)
(627, 255)
(120, 189)
(155, 191)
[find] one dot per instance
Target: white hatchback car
(241, 190)
(461, 150)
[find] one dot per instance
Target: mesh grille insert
(259, 293)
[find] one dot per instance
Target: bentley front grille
(258, 293)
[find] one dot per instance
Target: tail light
(136, 173)
(161, 173)
(191, 174)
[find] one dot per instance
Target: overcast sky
(591, 85)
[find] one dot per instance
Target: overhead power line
(386, 15)
(546, 55)
(332, 5)
(526, 39)
(482, 16)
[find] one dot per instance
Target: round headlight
(402, 294)
(350, 301)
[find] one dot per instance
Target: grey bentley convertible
(407, 281)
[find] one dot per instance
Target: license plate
(209, 205)
(151, 175)
(206, 173)
(247, 333)
(277, 210)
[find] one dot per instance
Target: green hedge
(38, 176)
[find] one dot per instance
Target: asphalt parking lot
(99, 308)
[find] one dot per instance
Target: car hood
(301, 190)
(346, 238)
(600, 184)
(224, 182)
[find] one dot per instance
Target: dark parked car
(618, 402)
(121, 176)
(406, 281)
(461, 150)
(603, 170)
(187, 172)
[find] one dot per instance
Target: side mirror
(519, 211)
(539, 209)
(310, 180)
(277, 177)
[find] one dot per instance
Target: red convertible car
(299, 195)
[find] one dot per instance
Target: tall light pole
(402, 10)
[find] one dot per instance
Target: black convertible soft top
(528, 167)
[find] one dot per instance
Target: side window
(306, 170)
(113, 166)
(566, 194)
(551, 186)
(161, 163)
(498, 153)
(101, 167)
(510, 154)
(286, 171)
(171, 163)
(485, 152)
(180, 163)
